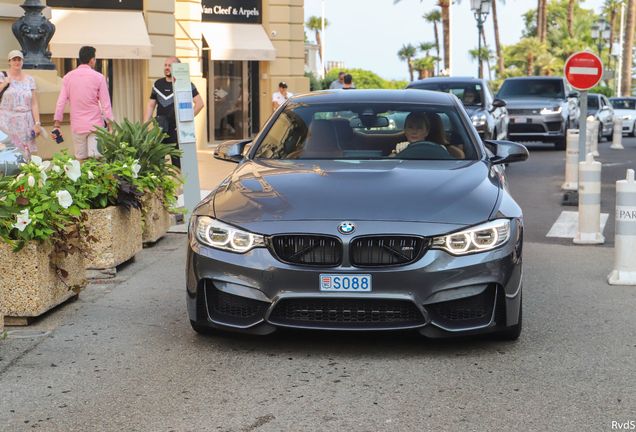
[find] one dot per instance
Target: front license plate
(521, 120)
(345, 283)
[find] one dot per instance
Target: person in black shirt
(162, 98)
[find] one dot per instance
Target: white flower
(44, 177)
(64, 198)
(57, 168)
(125, 166)
(123, 145)
(31, 181)
(41, 182)
(74, 170)
(17, 179)
(37, 160)
(90, 175)
(135, 170)
(154, 177)
(23, 220)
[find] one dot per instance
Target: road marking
(583, 71)
(567, 225)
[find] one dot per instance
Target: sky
(367, 34)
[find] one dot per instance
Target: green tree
(526, 50)
(434, 17)
(549, 64)
(628, 55)
(406, 53)
(424, 66)
(486, 56)
(314, 24)
(495, 23)
(611, 8)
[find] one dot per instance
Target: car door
(606, 115)
(499, 114)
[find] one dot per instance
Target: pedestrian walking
(19, 111)
(87, 92)
(162, 98)
(340, 82)
(281, 95)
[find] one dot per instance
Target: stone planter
(157, 218)
(30, 285)
(118, 230)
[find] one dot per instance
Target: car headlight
(590, 118)
(479, 120)
(554, 110)
(481, 238)
(225, 237)
(627, 117)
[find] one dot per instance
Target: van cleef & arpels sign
(232, 11)
(98, 4)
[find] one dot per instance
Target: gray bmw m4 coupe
(337, 219)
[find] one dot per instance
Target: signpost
(186, 134)
(583, 71)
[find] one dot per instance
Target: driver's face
(415, 130)
(469, 97)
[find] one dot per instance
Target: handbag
(4, 89)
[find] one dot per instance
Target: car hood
(624, 112)
(473, 110)
(452, 192)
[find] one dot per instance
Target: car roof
(622, 97)
(542, 78)
(362, 96)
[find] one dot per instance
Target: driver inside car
(417, 127)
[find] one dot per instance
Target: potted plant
(156, 177)
(106, 194)
(43, 243)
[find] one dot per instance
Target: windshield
(592, 101)
(470, 94)
(367, 131)
(529, 88)
(625, 104)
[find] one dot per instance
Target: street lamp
(601, 32)
(480, 8)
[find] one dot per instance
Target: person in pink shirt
(87, 91)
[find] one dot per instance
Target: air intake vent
(307, 249)
(386, 250)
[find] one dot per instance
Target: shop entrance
(232, 85)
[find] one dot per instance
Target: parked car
(540, 109)
(488, 114)
(11, 157)
(625, 108)
(322, 225)
(599, 109)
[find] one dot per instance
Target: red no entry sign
(583, 70)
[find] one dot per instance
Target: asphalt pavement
(124, 358)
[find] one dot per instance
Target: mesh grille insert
(347, 311)
(468, 308)
(386, 250)
(232, 305)
(307, 249)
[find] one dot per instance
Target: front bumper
(628, 126)
(440, 294)
(537, 127)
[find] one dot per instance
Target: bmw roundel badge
(347, 227)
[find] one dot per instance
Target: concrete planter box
(118, 230)
(30, 285)
(156, 217)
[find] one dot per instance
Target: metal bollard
(617, 143)
(589, 202)
(624, 272)
(572, 162)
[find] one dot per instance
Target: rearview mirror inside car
(506, 152)
(369, 122)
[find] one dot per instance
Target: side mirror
(574, 94)
(507, 152)
(499, 103)
(231, 151)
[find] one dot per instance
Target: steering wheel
(424, 150)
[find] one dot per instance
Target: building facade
(238, 52)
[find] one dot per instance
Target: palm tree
(406, 53)
(486, 56)
(626, 72)
(549, 64)
(444, 5)
(500, 61)
(527, 49)
(611, 7)
(570, 15)
(434, 17)
(542, 19)
(425, 47)
(314, 23)
(424, 66)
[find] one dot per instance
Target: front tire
(633, 132)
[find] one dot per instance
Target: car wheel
(201, 329)
(600, 132)
(513, 332)
(633, 132)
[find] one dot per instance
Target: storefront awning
(115, 35)
(238, 42)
